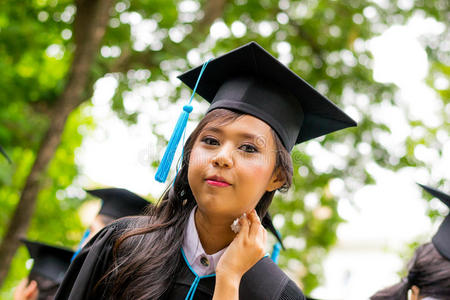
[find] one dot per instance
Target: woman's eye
(248, 148)
(210, 141)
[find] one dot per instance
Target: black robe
(264, 280)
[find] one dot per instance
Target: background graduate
(50, 263)
(233, 162)
(116, 203)
(428, 275)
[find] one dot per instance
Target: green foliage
(326, 46)
(30, 74)
(56, 220)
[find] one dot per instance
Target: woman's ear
(276, 181)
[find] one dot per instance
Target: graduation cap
(2, 151)
(250, 80)
(49, 261)
(441, 240)
(118, 203)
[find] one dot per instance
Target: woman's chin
(218, 211)
(211, 205)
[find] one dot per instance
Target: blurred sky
(381, 219)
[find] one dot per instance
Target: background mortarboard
(118, 203)
(441, 240)
(251, 80)
(49, 261)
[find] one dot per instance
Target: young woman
(428, 278)
(116, 203)
(233, 163)
(429, 270)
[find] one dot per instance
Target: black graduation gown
(264, 280)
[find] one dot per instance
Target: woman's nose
(223, 158)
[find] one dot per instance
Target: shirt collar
(193, 249)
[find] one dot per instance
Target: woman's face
(231, 166)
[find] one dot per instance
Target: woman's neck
(214, 233)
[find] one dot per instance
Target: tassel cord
(180, 128)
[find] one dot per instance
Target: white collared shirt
(202, 263)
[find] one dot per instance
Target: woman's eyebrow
(245, 135)
(213, 129)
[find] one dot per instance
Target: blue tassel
(276, 252)
(166, 162)
(83, 239)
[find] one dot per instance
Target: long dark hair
(145, 264)
(427, 270)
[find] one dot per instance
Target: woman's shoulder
(265, 280)
(95, 259)
(129, 223)
(125, 224)
(118, 227)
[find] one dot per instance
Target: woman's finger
(35, 294)
(264, 236)
(253, 217)
(31, 288)
(244, 222)
(255, 224)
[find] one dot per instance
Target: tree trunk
(90, 25)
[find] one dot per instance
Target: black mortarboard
(441, 240)
(2, 151)
(118, 203)
(49, 261)
(250, 80)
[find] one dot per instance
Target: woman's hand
(245, 250)
(25, 291)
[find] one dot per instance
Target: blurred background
(89, 95)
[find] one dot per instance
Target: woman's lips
(217, 183)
